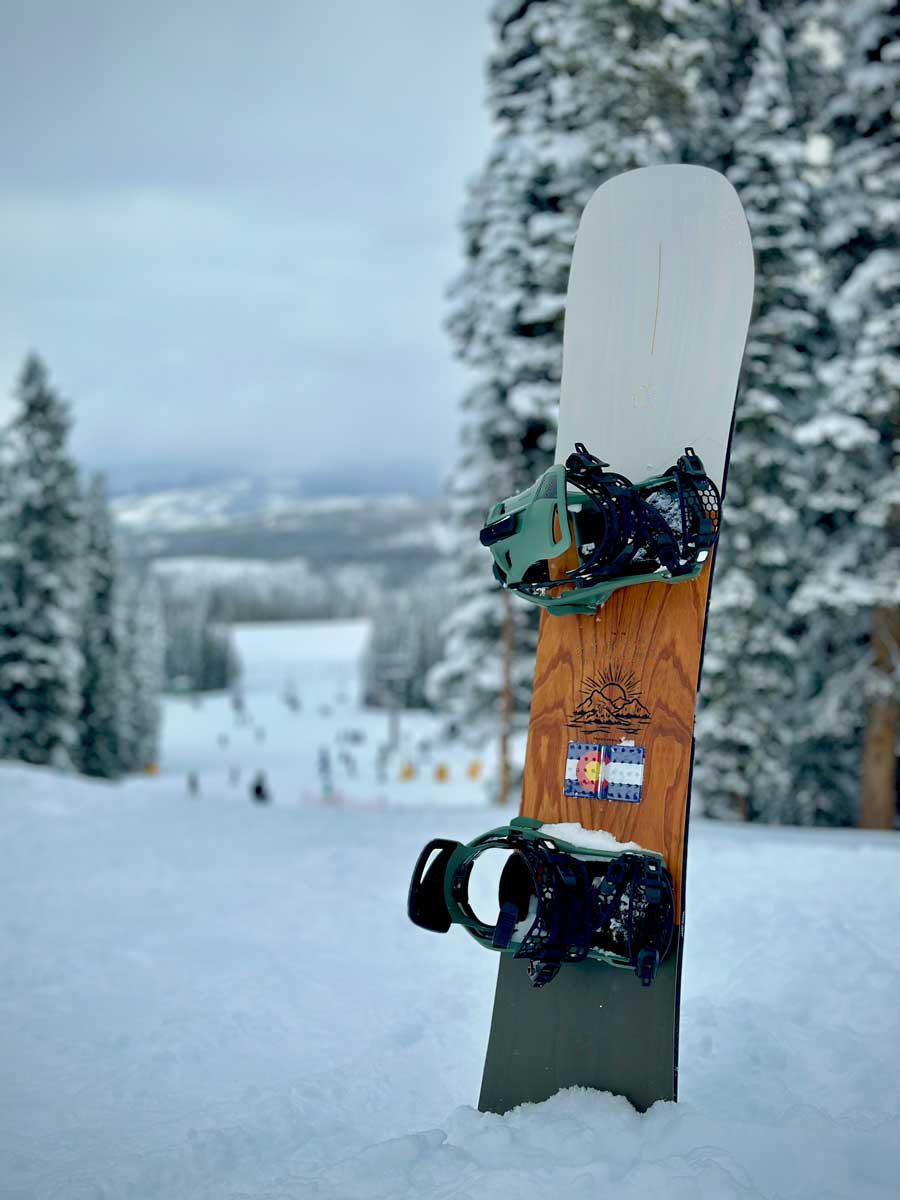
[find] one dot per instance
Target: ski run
(205, 997)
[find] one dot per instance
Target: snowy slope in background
(275, 653)
(320, 663)
(204, 999)
(299, 649)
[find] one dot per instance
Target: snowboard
(657, 312)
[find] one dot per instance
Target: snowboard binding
(618, 532)
(559, 903)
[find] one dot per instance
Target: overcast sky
(228, 227)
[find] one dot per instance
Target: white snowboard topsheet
(656, 320)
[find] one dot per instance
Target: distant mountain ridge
(270, 518)
(369, 478)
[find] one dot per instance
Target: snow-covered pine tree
(9, 607)
(725, 36)
(748, 723)
(139, 684)
(406, 640)
(41, 591)
(97, 750)
(852, 599)
(647, 81)
(124, 613)
(199, 655)
(148, 666)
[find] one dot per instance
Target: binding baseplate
(558, 903)
(659, 530)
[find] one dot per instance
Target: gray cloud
(228, 227)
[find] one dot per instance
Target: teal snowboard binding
(659, 530)
(558, 903)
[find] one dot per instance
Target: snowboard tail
(582, 1032)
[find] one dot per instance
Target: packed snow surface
(206, 998)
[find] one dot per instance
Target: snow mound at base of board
(591, 1145)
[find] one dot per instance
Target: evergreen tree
(127, 596)
(651, 81)
(139, 684)
(199, 651)
(747, 724)
(406, 641)
(148, 659)
(41, 590)
(98, 751)
(853, 597)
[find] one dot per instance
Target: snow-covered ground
(201, 997)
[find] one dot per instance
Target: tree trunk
(878, 785)
(506, 698)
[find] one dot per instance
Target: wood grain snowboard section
(638, 657)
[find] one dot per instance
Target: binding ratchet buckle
(582, 531)
(558, 903)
